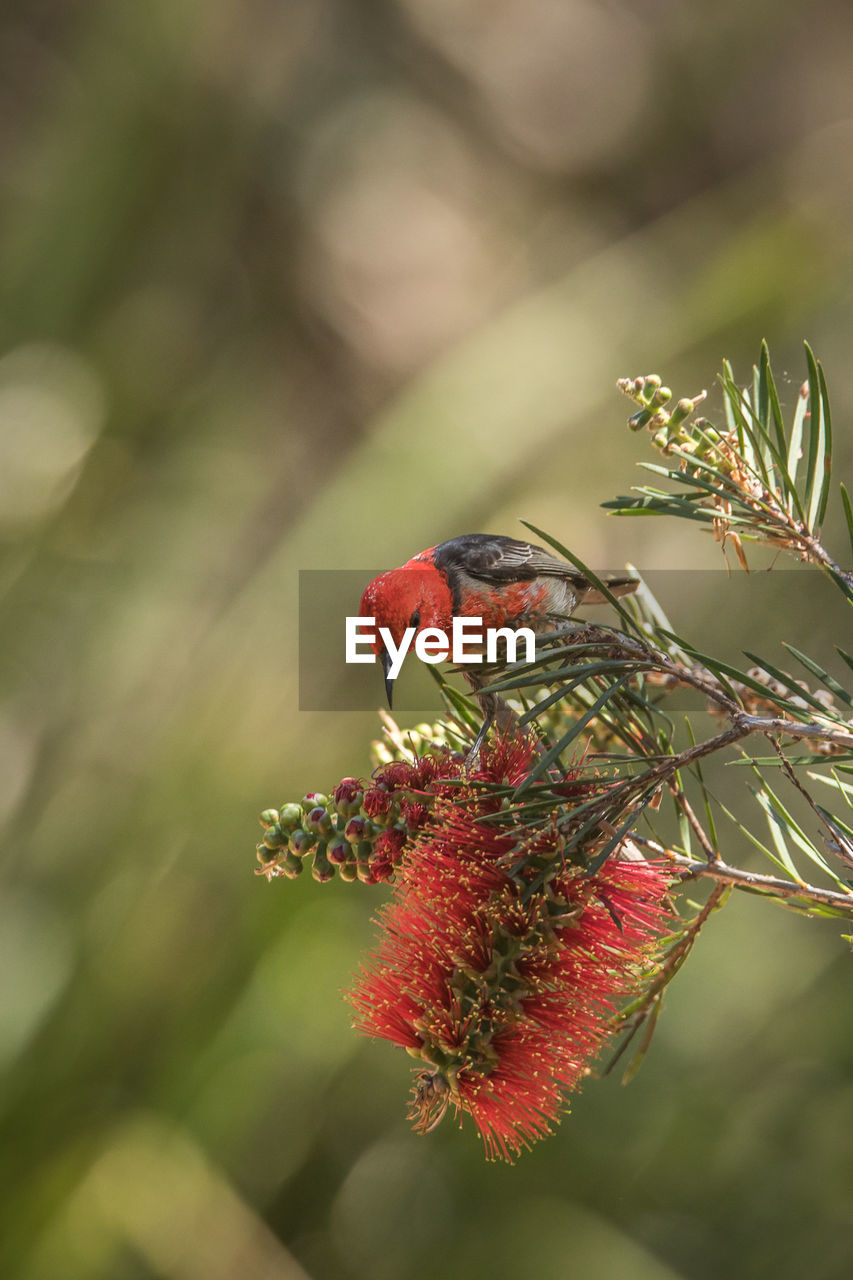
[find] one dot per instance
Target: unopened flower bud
(363, 870)
(274, 837)
(348, 797)
(379, 805)
(355, 830)
(291, 866)
(314, 800)
(318, 821)
(338, 851)
(639, 419)
(269, 817)
(291, 817)
(681, 411)
(321, 869)
(301, 842)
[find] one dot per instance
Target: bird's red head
(415, 595)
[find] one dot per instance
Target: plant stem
(741, 879)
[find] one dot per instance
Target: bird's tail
(616, 586)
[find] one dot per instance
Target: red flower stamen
(502, 985)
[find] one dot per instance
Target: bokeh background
(292, 284)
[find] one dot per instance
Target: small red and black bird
(505, 582)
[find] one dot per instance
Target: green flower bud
(314, 800)
(269, 817)
(348, 797)
(639, 419)
(265, 855)
(302, 842)
(292, 866)
(274, 837)
(348, 871)
(355, 830)
(321, 869)
(318, 821)
(338, 851)
(681, 411)
(290, 817)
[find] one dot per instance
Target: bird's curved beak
(385, 659)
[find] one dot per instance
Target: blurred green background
(314, 284)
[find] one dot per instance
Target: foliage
(504, 863)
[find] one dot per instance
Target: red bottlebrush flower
(414, 813)
(378, 803)
(348, 796)
(501, 981)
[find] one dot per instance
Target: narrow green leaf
(706, 662)
(844, 788)
(829, 682)
(616, 508)
(785, 678)
(796, 833)
(546, 760)
(750, 835)
(848, 511)
(759, 396)
(456, 702)
(720, 669)
(782, 452)
(574, 687)
(844, 584)
(753, 441)
(817, 443)
(637, 1057)
(843, 836)
(827, 454)
(769, 395)
(618, 836)
(773, 762)
(795, 443)
(541, 674)
(696, 768)
(729, 494)
(778, 836)
(586, 571)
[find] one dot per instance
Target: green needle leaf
(815, 468)
(829, 682)
(848, 512)
(586, 571)
(545, 761)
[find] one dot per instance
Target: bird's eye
(415, 620)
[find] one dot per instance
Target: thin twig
(741, 879)
(698, 830)
(838, 845)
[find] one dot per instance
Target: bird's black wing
(496, 558)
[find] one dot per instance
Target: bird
(502, 580)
